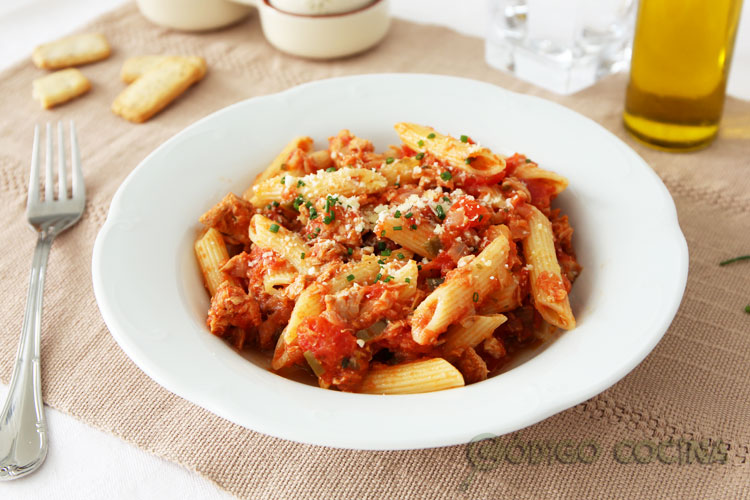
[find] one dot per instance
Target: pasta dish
(420, 268)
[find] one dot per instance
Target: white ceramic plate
(149, 289)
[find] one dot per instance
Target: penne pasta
(423, 267)
(430, 375)
(527, 172)
(268, 234)
(344, 181)
(547, 286)
(277, 165)
(470, 333)
(277, 278)
(472, 158)
(421, 240)
(400, 171)
(461, 291)
(506, 298)
(212, 255)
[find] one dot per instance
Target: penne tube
(470, 333)
(471, 158)
(400, 171)
(461, 291)
(422, 240)
(277, 278)
(291, 246)
(277, 165)
(310, 303)
(212, 255)
(506, 298)
(322, 159)
(344, 181)
(430, 375)
(547, 288)
(528, 172)
(409, 274)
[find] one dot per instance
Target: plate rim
(452, 437)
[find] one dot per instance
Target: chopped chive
(413, 226)
(420, 143)
(381, 262)
(331, 169)
(440, 212)
(408, 280)
(736, 259)
(350, 277)
(382, 233)
(308, 204)
(397, 214)
(419, 156)
(446, 176)
(297, 202)
(430, 135)
(269, 206)
(389, 278)
(400, 256)
(313, 213)
(747, 308)
(385, 252)
(377, 278)
(409, 215)
(445, 198)
(327, 219)
(397, 228)
(389, 160)
(274, 228)
(464, 138)
(300, 183)
(475, 297)
(419, 267)
(302, 255)
(275, 203)
(380, 245)
(468, 161)
(317, 230)
(349, 251)
(283, 180)
(528, 160)
(480, 218)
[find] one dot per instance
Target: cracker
(134, 67)
(71, 51)
(59, 87)
(159, 86)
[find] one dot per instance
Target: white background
(84, 463)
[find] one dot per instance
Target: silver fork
(23, 429)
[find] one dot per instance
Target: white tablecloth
(84, 463)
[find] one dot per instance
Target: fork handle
(23, 428)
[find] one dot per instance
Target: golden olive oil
(681, 55)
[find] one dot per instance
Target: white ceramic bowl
(150, 293)
(192, 15)
(319, 7)
(325, 37)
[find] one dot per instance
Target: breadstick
(71, 51)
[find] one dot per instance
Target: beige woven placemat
(694, 386)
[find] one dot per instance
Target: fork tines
(62, 172)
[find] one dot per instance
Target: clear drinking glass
(561, 45)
